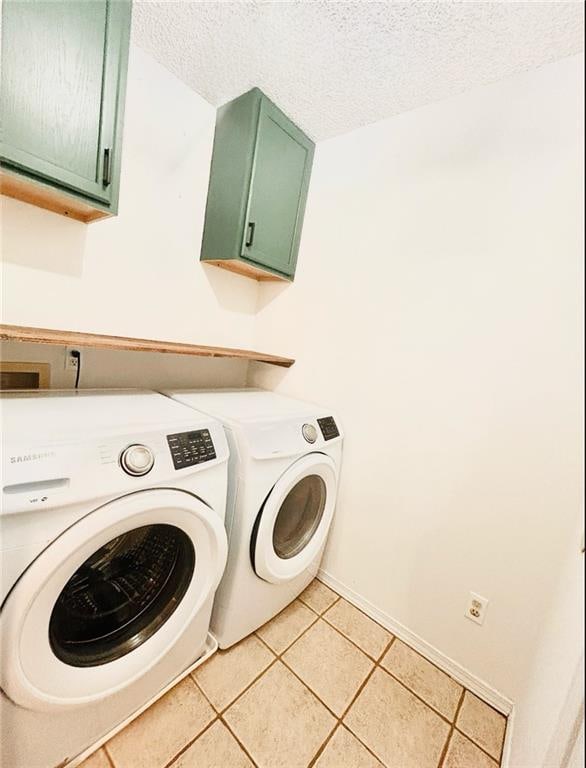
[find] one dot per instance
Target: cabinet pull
(250, 234)
(107, 168)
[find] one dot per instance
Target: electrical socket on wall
(71, 362)
(476, 608)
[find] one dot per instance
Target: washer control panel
(189, 448)
(328, 427)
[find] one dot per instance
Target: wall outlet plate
(71, 362)
(476, 608)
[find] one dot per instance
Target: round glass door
(121, 595)
(109, 598)
(292, 526)
(299, 516)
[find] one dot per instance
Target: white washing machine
(113, 544)
(285, 459)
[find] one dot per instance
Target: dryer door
(109, 597)
(294, 521)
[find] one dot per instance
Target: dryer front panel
(294, 521)
(108, 598)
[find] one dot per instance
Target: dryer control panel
(328, 427)
(189, 448)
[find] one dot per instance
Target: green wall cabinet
(259, 179)
(62, 92)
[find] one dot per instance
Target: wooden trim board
(98, 341)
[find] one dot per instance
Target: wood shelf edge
(29, 335)
(44, 196)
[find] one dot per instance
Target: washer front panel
(295, 519)
(31, 673)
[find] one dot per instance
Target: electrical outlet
(476, 608)
(71, 361)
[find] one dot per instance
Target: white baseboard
(445, 663)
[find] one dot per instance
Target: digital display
(328, 427)
(190, 448)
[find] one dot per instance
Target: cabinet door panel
(52, 81)
(278, 187)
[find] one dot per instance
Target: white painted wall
(435, 308)
(137, 274)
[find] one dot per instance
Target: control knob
(137, 460)
(309, 432)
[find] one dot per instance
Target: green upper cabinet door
(259, 179)
(62, 98)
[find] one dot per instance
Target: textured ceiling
(334, 66)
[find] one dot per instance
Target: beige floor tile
(163, 730)
(285, 628)
(395, 725)
(344, 750)
(215, 748)
(362, 630)
(423, 678)
(279, 721)
(227, 673)
(329, 664)
(318, 597)
(462, 753)
(482, 724)
(98, 760)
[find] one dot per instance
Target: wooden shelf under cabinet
(98, 341)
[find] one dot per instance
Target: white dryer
(113, 544)
(285, 459)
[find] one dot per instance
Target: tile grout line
(417, 696)
(377, 661)
(319, 613)
(322, 749)
(479, 746)
(305, 685)
(240, 743)
(444, 751)
(376, 664)
(340, 718)
(363, 686)
(370, 656)
(278, 658)
(184, 749)
(309, 626)
(109, 758)
(433, 664)
(219, 713)
(217, 716)
(500, 760)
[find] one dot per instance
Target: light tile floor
(320, 685)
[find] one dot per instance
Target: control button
(137, 460)
(309, 433)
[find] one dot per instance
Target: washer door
(109, 597)
(295, 519)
